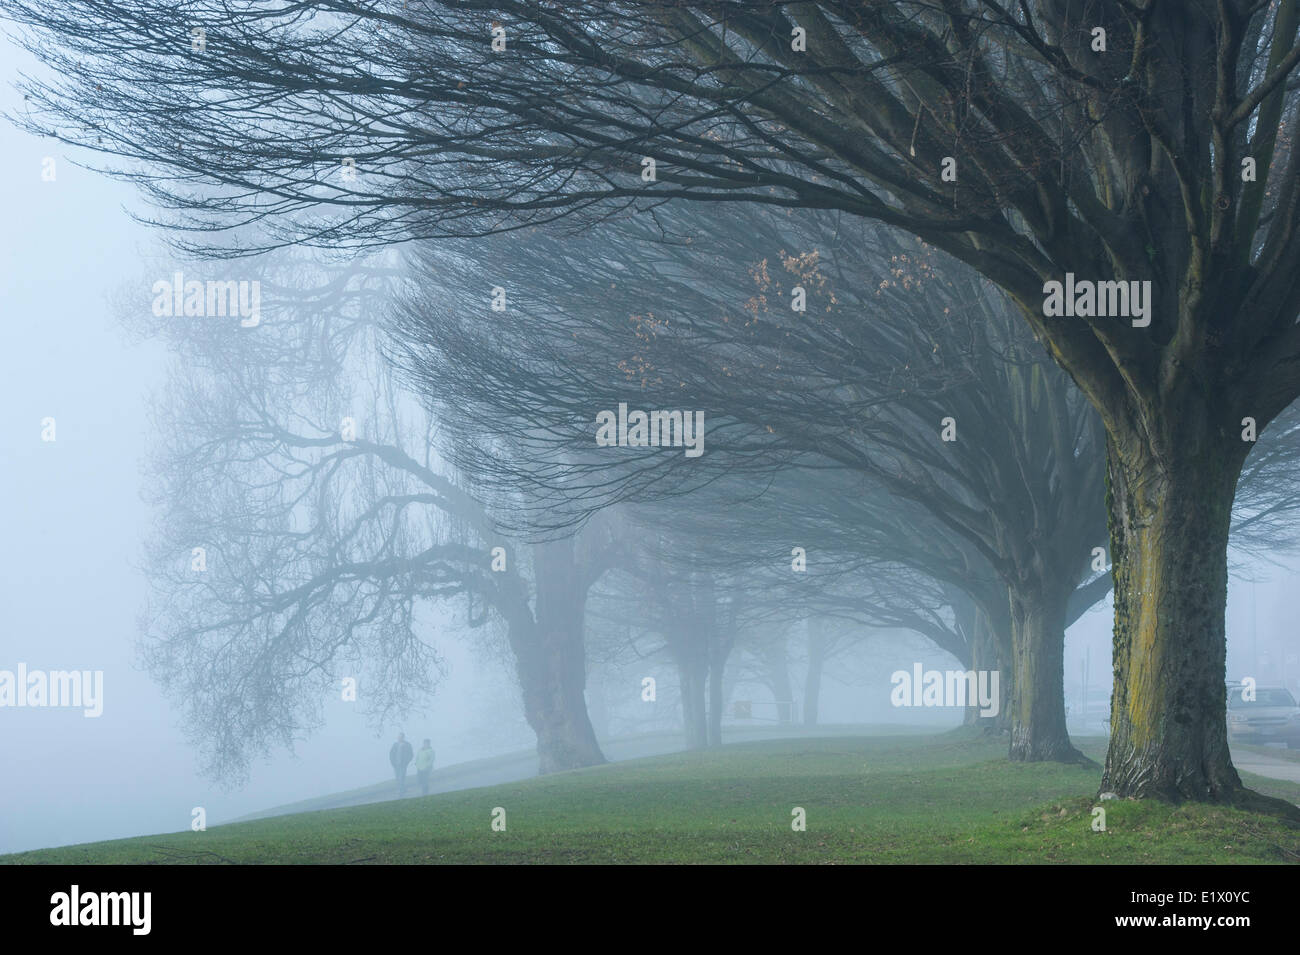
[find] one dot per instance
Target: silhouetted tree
(843, 350)
(304, 520)
(1106, 139)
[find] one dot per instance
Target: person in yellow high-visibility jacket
(424, 766)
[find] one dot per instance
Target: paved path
(1252, 762)
(523, 764)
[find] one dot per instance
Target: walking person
(424, 766)
(400, 756)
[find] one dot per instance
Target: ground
(940, 798)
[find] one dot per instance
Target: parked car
(1271, 717)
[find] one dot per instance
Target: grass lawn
(876, 799)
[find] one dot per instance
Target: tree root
(1252, 801)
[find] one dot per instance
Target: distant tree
(697, 313)
(810, 343)
(872, 562)
(304, 521)
(1107, 140)
(823, 644)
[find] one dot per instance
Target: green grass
(879, 799)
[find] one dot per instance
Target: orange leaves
(647, 327)
(805, 267)
(638, 367)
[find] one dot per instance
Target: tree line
(994, 148)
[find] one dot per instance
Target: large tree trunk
(719, 649)
(1169, 519)
(980, 651)
(694, 669)
(1037, 717)
(730, 677)
(552, 665)
(812, 683)
(776, 665)
(715, 703)
(552, 681)
(986, 655)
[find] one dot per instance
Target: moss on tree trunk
(1169, 520)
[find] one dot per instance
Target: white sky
(71, 526)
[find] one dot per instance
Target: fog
(73, 586)
(70, 580)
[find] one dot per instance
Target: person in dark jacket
(400, 756)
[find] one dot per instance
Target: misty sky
(73, 524)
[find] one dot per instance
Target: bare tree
(811, 343)
(305, 520)
(1109, 140)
